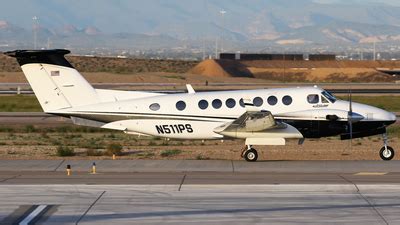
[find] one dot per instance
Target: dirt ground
(44, 146)
(331, 75)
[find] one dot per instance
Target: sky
(389, 2)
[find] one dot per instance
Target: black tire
(251, 155)
(386, 155)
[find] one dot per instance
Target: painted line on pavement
(370, 174)
(33, 214)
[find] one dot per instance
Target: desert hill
(112, 65)
(221, 68)
(298, 71)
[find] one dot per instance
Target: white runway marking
(32, 215)
(369, 174)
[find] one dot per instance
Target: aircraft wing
(259, 127)
(252, 122)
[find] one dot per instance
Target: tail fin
(55, 82)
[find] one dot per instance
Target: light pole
(222, 12)
(35, 27)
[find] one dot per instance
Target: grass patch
(389, 103)
(19, 103)
(30, 129)
(394, 131)
(169, 153)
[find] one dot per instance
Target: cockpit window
(313, 99)
(329, 96)
(324, 100)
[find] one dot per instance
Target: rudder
(55, 82)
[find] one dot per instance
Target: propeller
(350, 115)
(350, 121)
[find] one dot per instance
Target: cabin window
(313, 99)
(257, 101)
(217, 103)
(154, 106)
(241, 102)
(287, 100)
(181, 105)
(230, 103)
(203, 104)
(272, 100)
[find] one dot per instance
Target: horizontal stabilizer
(52, 57)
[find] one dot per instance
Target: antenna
(216, 48)
(35, 27)
(374, 50)
(222, 12)
(204, 49)
(48, 43)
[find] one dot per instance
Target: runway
(199, 192)
(163, 204)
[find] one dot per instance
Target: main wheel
(386, 153)
(251, 155)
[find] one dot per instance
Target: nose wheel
(386, 153)
(250, 154)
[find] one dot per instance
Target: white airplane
(260, 117)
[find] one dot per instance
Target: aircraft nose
(384, 116)
(372, 113)
(391, 118)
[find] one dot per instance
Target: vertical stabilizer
(56, 83)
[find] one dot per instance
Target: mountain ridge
(278, 22)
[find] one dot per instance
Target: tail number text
(174, 129)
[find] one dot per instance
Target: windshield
(329, 96)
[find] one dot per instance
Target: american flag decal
(55, 73)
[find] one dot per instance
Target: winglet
(190, 89)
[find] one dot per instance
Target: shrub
(152, 143)
(30, 129)
(114, 148)
(44, 135)
(200, 157)
(94, 152)
(65, 151)
(172, 152)
(91, 144)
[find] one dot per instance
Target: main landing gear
(249, 154)
(386, 152)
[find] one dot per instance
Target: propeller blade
(350, 118)
(351, 130)
(350, 101)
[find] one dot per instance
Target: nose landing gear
(249, 154)
(386, 153)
